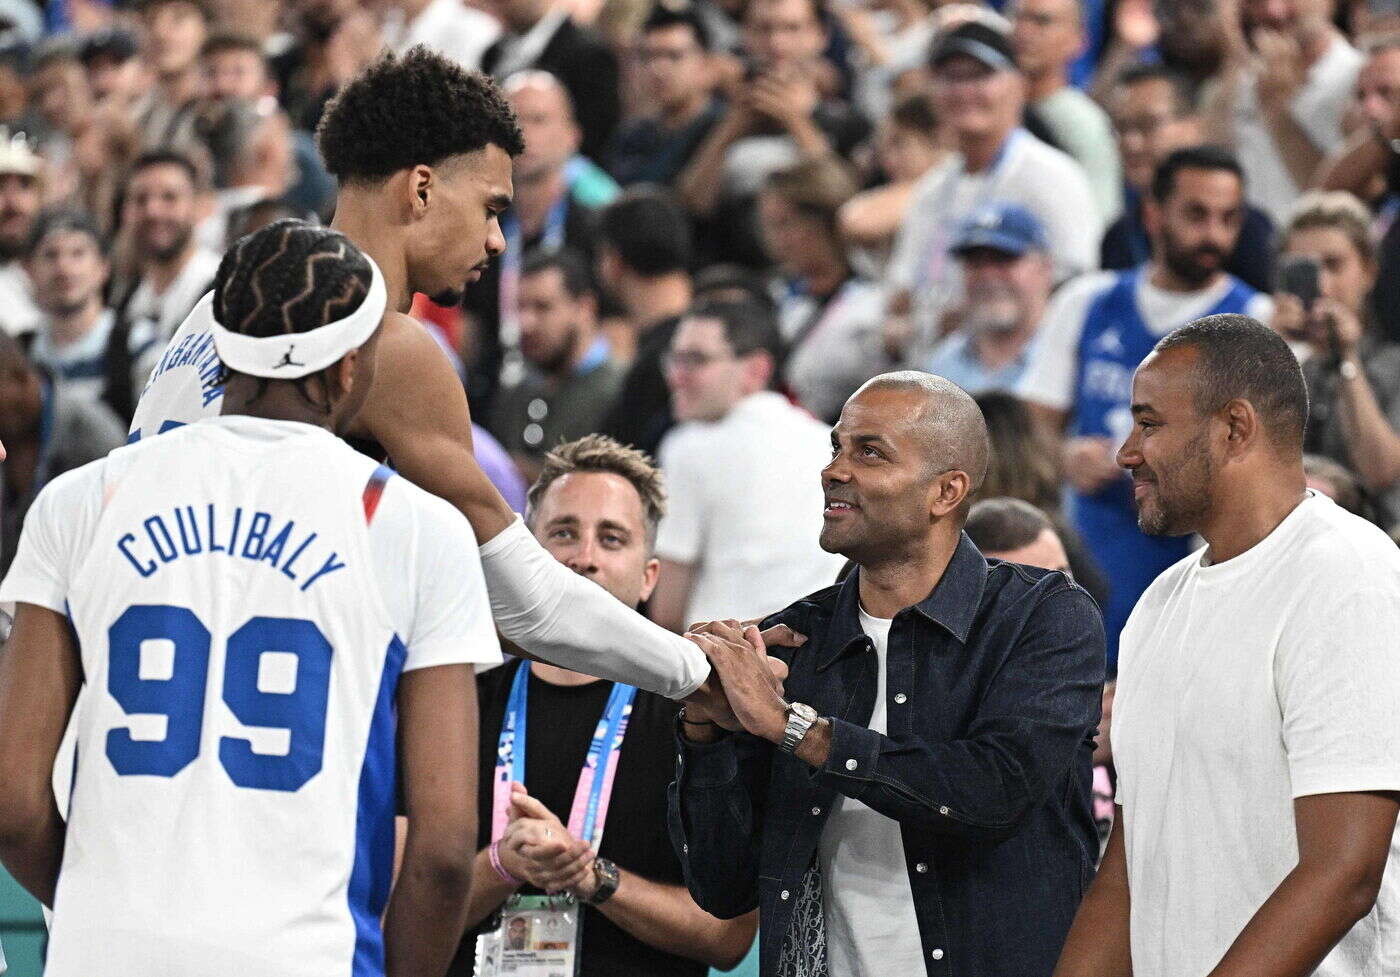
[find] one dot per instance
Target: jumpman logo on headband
(287, 358)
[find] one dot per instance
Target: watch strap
(605, 871)
(797, 727)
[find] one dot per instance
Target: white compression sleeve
(568, 620)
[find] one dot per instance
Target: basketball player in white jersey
(422, 150)
(271, 627)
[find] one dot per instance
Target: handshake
(745, 686)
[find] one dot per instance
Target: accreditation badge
(534, 936)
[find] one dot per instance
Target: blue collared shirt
(956, 359)
(994, 686)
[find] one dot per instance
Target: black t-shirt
(559, 727)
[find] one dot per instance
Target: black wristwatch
(608, 879)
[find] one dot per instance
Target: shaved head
(948, 422)
(908, 453)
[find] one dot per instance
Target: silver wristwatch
(800, 718)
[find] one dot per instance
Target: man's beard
(557, 360)
(1184, 500)
(176, 246)
(64, 309)
(993, 310)
(11, 246)
(1185, 263)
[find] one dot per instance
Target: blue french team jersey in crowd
(1114, 341)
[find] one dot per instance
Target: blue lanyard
(594, 791)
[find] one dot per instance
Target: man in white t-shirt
(162, 200)
(740, 535)
(1254, 728)
(1284, 86)
(981, 96)
(1099, 328)
(20, 197)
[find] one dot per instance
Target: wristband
(493, 853)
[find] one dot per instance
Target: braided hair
(289, 277)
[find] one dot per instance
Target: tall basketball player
(261, 614)
(422, 150)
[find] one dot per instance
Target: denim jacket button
(943, 811)
(937, 954)
(816, 812)
(850, 764)
(901, 698)
(783, 894)
(921, 868)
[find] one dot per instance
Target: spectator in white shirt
(1048, 36)
(740, 536)
(980, 96)
(162, 210)
(68, 259)
(830, 315)
(20, 197)
(1285, 83)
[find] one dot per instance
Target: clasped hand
(745, 690)
(538, 849)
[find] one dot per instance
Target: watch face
(806, 712)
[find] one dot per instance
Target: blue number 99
(302, 711)
(180, 698)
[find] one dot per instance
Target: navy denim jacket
(993, 694)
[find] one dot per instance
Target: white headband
(291, 355)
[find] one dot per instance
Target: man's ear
(759, 367)
(947, 492)
(649, 576)
(344, 372)
(1241, 425)
(420, 187)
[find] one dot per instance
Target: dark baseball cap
(978, 40)
(116, 43)
(1005, 227)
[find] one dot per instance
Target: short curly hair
(410, 109)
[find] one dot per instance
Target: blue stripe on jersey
(374, 825)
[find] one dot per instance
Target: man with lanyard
(981, 95)
(557, 194)
(541, 875)
(1100, 327)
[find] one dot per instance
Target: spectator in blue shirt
(1008, 276)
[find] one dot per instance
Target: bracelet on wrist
(494, 854)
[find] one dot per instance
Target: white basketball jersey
(184, 385)
(246, 594)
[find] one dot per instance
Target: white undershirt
(871, 927)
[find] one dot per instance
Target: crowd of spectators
(730, 214)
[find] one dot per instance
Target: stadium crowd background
(1020, 197)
